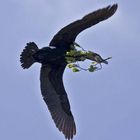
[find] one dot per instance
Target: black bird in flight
(53, 64)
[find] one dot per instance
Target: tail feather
(26, 57)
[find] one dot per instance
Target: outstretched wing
(67, 35)
(55, 96)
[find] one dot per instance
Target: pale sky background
(105, 104)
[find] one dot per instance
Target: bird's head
(97, 58)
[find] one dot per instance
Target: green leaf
(89, 54)
(92, 68)
(70, 59)
(94, 63)
(82, 58)
(75, 69)
(70, 65)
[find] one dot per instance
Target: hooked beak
(105, 62)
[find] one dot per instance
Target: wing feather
(68, 34)
(54, 95)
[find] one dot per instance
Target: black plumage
(53, 65)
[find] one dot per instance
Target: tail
(26, 57)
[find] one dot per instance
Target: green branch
(75, 55)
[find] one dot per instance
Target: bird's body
(53, 63)
(50, 55)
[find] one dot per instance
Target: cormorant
(53, 63)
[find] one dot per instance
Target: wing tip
(65, 124)
(113, 8)
(69, 129)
